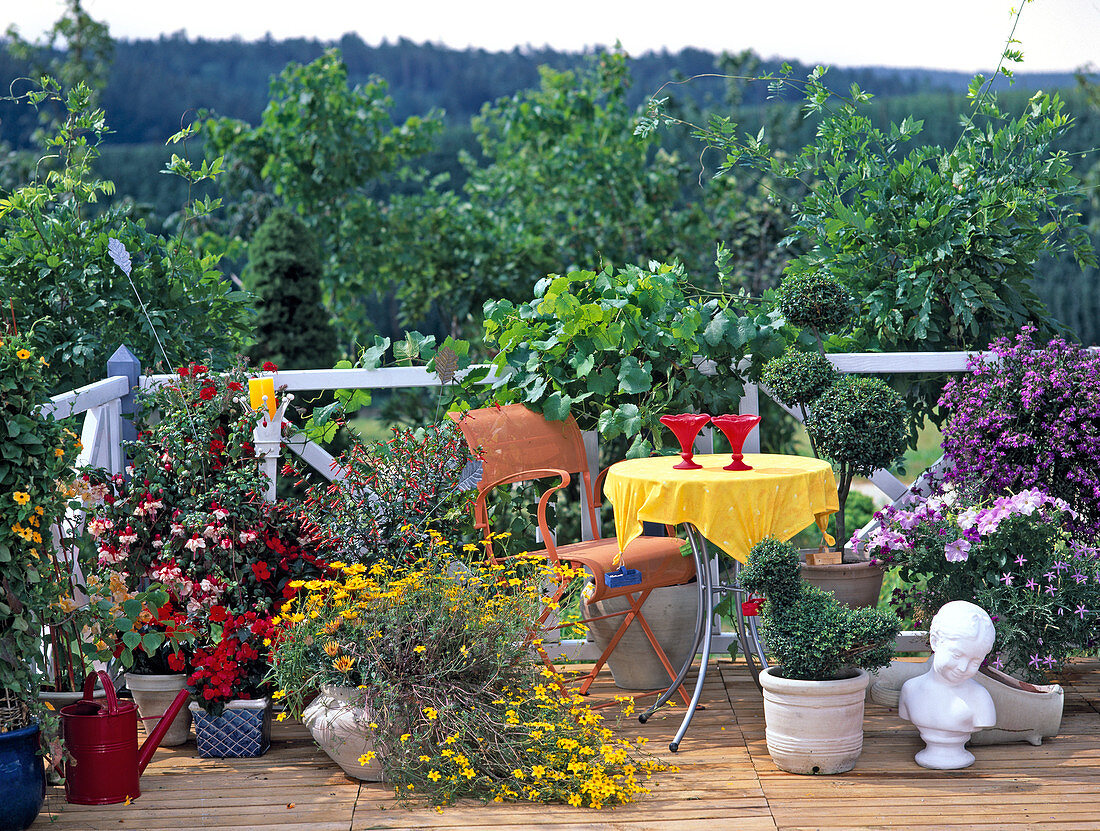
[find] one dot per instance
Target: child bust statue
(946, 704)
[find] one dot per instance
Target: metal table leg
(747, 635)
(701, 613)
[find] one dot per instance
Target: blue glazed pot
(22, 779)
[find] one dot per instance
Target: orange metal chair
(518, 445)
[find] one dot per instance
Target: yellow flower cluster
(464, 710)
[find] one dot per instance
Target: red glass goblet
(737, 429)
(686, 427)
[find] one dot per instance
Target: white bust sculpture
(946, 704)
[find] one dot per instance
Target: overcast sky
(965, 35)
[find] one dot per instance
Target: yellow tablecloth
(779, 497)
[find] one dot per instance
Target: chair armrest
(481, 511)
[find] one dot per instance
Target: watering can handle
(108, 687)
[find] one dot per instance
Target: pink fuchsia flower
(97, 527)
(196, 543)
(128, 537)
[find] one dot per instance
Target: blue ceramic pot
(22, 779)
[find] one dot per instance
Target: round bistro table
(732, 510)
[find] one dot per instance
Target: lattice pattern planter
(243, 729)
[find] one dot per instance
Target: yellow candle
(257, 389)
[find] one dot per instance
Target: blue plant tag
(622, 577)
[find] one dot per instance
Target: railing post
(120, 418)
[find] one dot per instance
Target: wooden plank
(725, 778)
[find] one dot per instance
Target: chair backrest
(514, 438)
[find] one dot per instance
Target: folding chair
(518, 445)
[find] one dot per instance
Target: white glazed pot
(153, 694)
(814, 726)
(670, 613)
(341, 727)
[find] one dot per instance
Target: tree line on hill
(431, 180)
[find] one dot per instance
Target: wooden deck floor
(726, 781)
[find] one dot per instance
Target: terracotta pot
(153, 694)
(856, 585)
(634, 665)
(814, 726)
(340, 725)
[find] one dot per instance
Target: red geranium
(270, 367)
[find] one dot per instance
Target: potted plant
(860, 424)
(1018, 557)
(232, 710)
(424, 678)
(813, 696)
(35, 455)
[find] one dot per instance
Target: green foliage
(811, 635)
(323, 146)
(620, 348)
(938, 244)
(798, 378)
(814, 300)
(564, 183)
(35, 454)
(292, 327)
(860, 424)
(75, 305)
(398, 499)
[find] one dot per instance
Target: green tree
(326, 149)
(74, 303)
(292, 327)
(565, 183)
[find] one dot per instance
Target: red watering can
(102, 740)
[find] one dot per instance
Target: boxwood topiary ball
(860, 422)
(815, 300)
(798, 377)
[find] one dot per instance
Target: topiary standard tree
(293, 329)
(860, 425)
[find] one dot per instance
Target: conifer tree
(293, 329)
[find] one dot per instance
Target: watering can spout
(145, 755)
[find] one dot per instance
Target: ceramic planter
(153, 694)
(243, 729)
(670, 612)
(814, 726)
(22, 778)
(340, 725)
(856, 585)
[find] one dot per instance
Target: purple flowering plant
(1030, 419)
(1016, 556)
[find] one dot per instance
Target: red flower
(218, 614)
(236, 386)
(270, 367)
(176, 661)
(198, 369)
(183, 372)
(216, 446)
(206, 393)
(261, 571)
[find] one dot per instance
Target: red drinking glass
(686, 427)
(737, 429)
